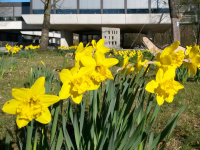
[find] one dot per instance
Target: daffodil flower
(101, 72)
(139, 63)
(164, 86)
(75, 82)
(99, 46)
(31, 104)
(81, 52)
(125, 64)
(168, 57)
(193, 57)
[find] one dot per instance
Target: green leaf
(66, 134)
(7, 141)
(60, 140)
(168, 129)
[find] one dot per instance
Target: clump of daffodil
(169, 58)
(192, 59)
(132, 53)
(91, 68)
(139, 63)
(164, 86)
(126, 64)
(32, 47)
(14, 49)
(67, 48)
(31, 104)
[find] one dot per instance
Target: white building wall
(113, 4)
(90, 4)
(66, 4)
(111, 37)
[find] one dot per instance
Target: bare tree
(174, 20)
(46, 23)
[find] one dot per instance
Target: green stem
(29, 135)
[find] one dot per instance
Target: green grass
(187, 132)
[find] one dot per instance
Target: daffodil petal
(38, 87)
(64, 92)
(77, 98)
(160, 100)
(169, 74)
(109, 62)
(109, 74)
(159, 75)
(166, 60)
(20, 94)
(151, 86)
(45, 117)
(85, 71)
(48, 100)
(99, 57)
(21, 122)
(104, 49)
(87, 61)
(94, 43)
(192, 68)
(100, 43)
(11, 106)
(74, 70)
(170, 98)
(65, 75)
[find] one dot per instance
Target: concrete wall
(87, 19)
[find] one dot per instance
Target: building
(90, 19)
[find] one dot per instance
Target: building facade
(89, 17)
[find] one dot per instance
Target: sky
(14, 0)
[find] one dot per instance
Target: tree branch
(54, 3)
(43, 2)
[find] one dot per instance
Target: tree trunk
(174, 21)
(198, 26)
(46, 26)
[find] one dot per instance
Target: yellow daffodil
(31, 104)
(168, 57)
(193, 59)
(125, 64)
(101, 72)
(164, 86)
(81, 52)
(139, 63)
(99, 46)
(75, 82)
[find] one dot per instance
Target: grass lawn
(187, 132)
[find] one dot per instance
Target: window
(90, 11)
(66, 11)
(113, 11)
